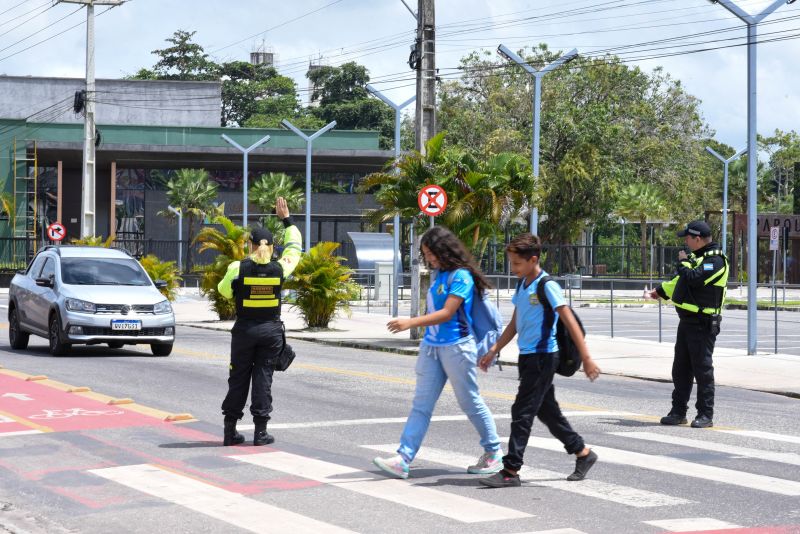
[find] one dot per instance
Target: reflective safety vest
(257, 290)
(708, 298)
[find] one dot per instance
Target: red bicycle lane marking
(34, 406)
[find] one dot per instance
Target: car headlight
(81, 306)
(162, 307)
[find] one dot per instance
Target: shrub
(232, 246)
(322, 285)
(162, 270)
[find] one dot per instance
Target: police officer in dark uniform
(698, 293)
(257, 335)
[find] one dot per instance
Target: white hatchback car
(88, 295)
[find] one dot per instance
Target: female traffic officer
(257, 335)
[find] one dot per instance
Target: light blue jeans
(435, 365)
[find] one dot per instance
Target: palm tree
(640, 202)
(231, 244)
(8, 208)
(192, 192)
(266, 189)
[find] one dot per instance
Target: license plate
(121, 324)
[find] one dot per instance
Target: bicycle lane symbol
(54, 410)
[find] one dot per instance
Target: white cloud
(126, 36)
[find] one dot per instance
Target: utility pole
(88, 195)
(425, 121)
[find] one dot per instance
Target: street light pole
(752, 160)
(537, 104)
(177, 211)
(309, 139)
(725, 163)
(88, 222)
(246, 153)
(396, 222)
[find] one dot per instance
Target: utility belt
(713, 321)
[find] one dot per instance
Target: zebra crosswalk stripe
(693, 524)
(780, 457)
(675, 466)
(591, 488)
(763, 435)
(224, 505)
(396, 491)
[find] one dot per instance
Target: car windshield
(103, 272)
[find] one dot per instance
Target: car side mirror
(160, 284)
(44, 282)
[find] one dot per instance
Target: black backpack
(569, 361)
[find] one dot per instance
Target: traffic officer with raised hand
(257, 335)
(698, 293)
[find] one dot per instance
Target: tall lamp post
(246, 153)
(537, 104)
(725, 163)
(179, 214)
(396, 222)
(309, 139)
(752, 158)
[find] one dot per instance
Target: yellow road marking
(25, 422)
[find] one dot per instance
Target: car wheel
(115, 344)
(57, 347)
(16, 337)
(161, 349)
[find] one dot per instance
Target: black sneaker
(702, 421)
(502, 479)
(582, 466)
(673, 419)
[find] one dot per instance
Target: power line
(26, 13)
(284, 23)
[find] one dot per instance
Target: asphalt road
(335, 409)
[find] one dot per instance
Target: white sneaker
(489, 462)
(395, 466)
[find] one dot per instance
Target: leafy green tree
(193, 193)
(343, 97)
(252, 95)
(603, 125)
(642, 203)
(250, 91)
(784, 153)
(184, 60)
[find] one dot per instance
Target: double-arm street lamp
(537, 104)
(309, 139)
(725, 163)
(752, 158)
(246, 153)
(396, 223)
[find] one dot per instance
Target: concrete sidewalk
(775, 373)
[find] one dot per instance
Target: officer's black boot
(260, 437)
(232, 437)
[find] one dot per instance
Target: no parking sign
(56, 231)
(432, 200)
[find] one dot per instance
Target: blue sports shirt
(536, 325)
(457, 329)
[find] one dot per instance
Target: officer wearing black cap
(257, 335)
(698, 293)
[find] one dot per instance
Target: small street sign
(774, 237)
(56, 231)
(432, 200)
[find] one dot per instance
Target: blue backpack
(487, 322)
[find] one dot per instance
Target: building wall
(119, 102)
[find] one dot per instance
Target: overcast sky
(377, 34)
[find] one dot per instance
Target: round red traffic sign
(56, 231)
(432, 200)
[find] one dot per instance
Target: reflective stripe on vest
(719, 279)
